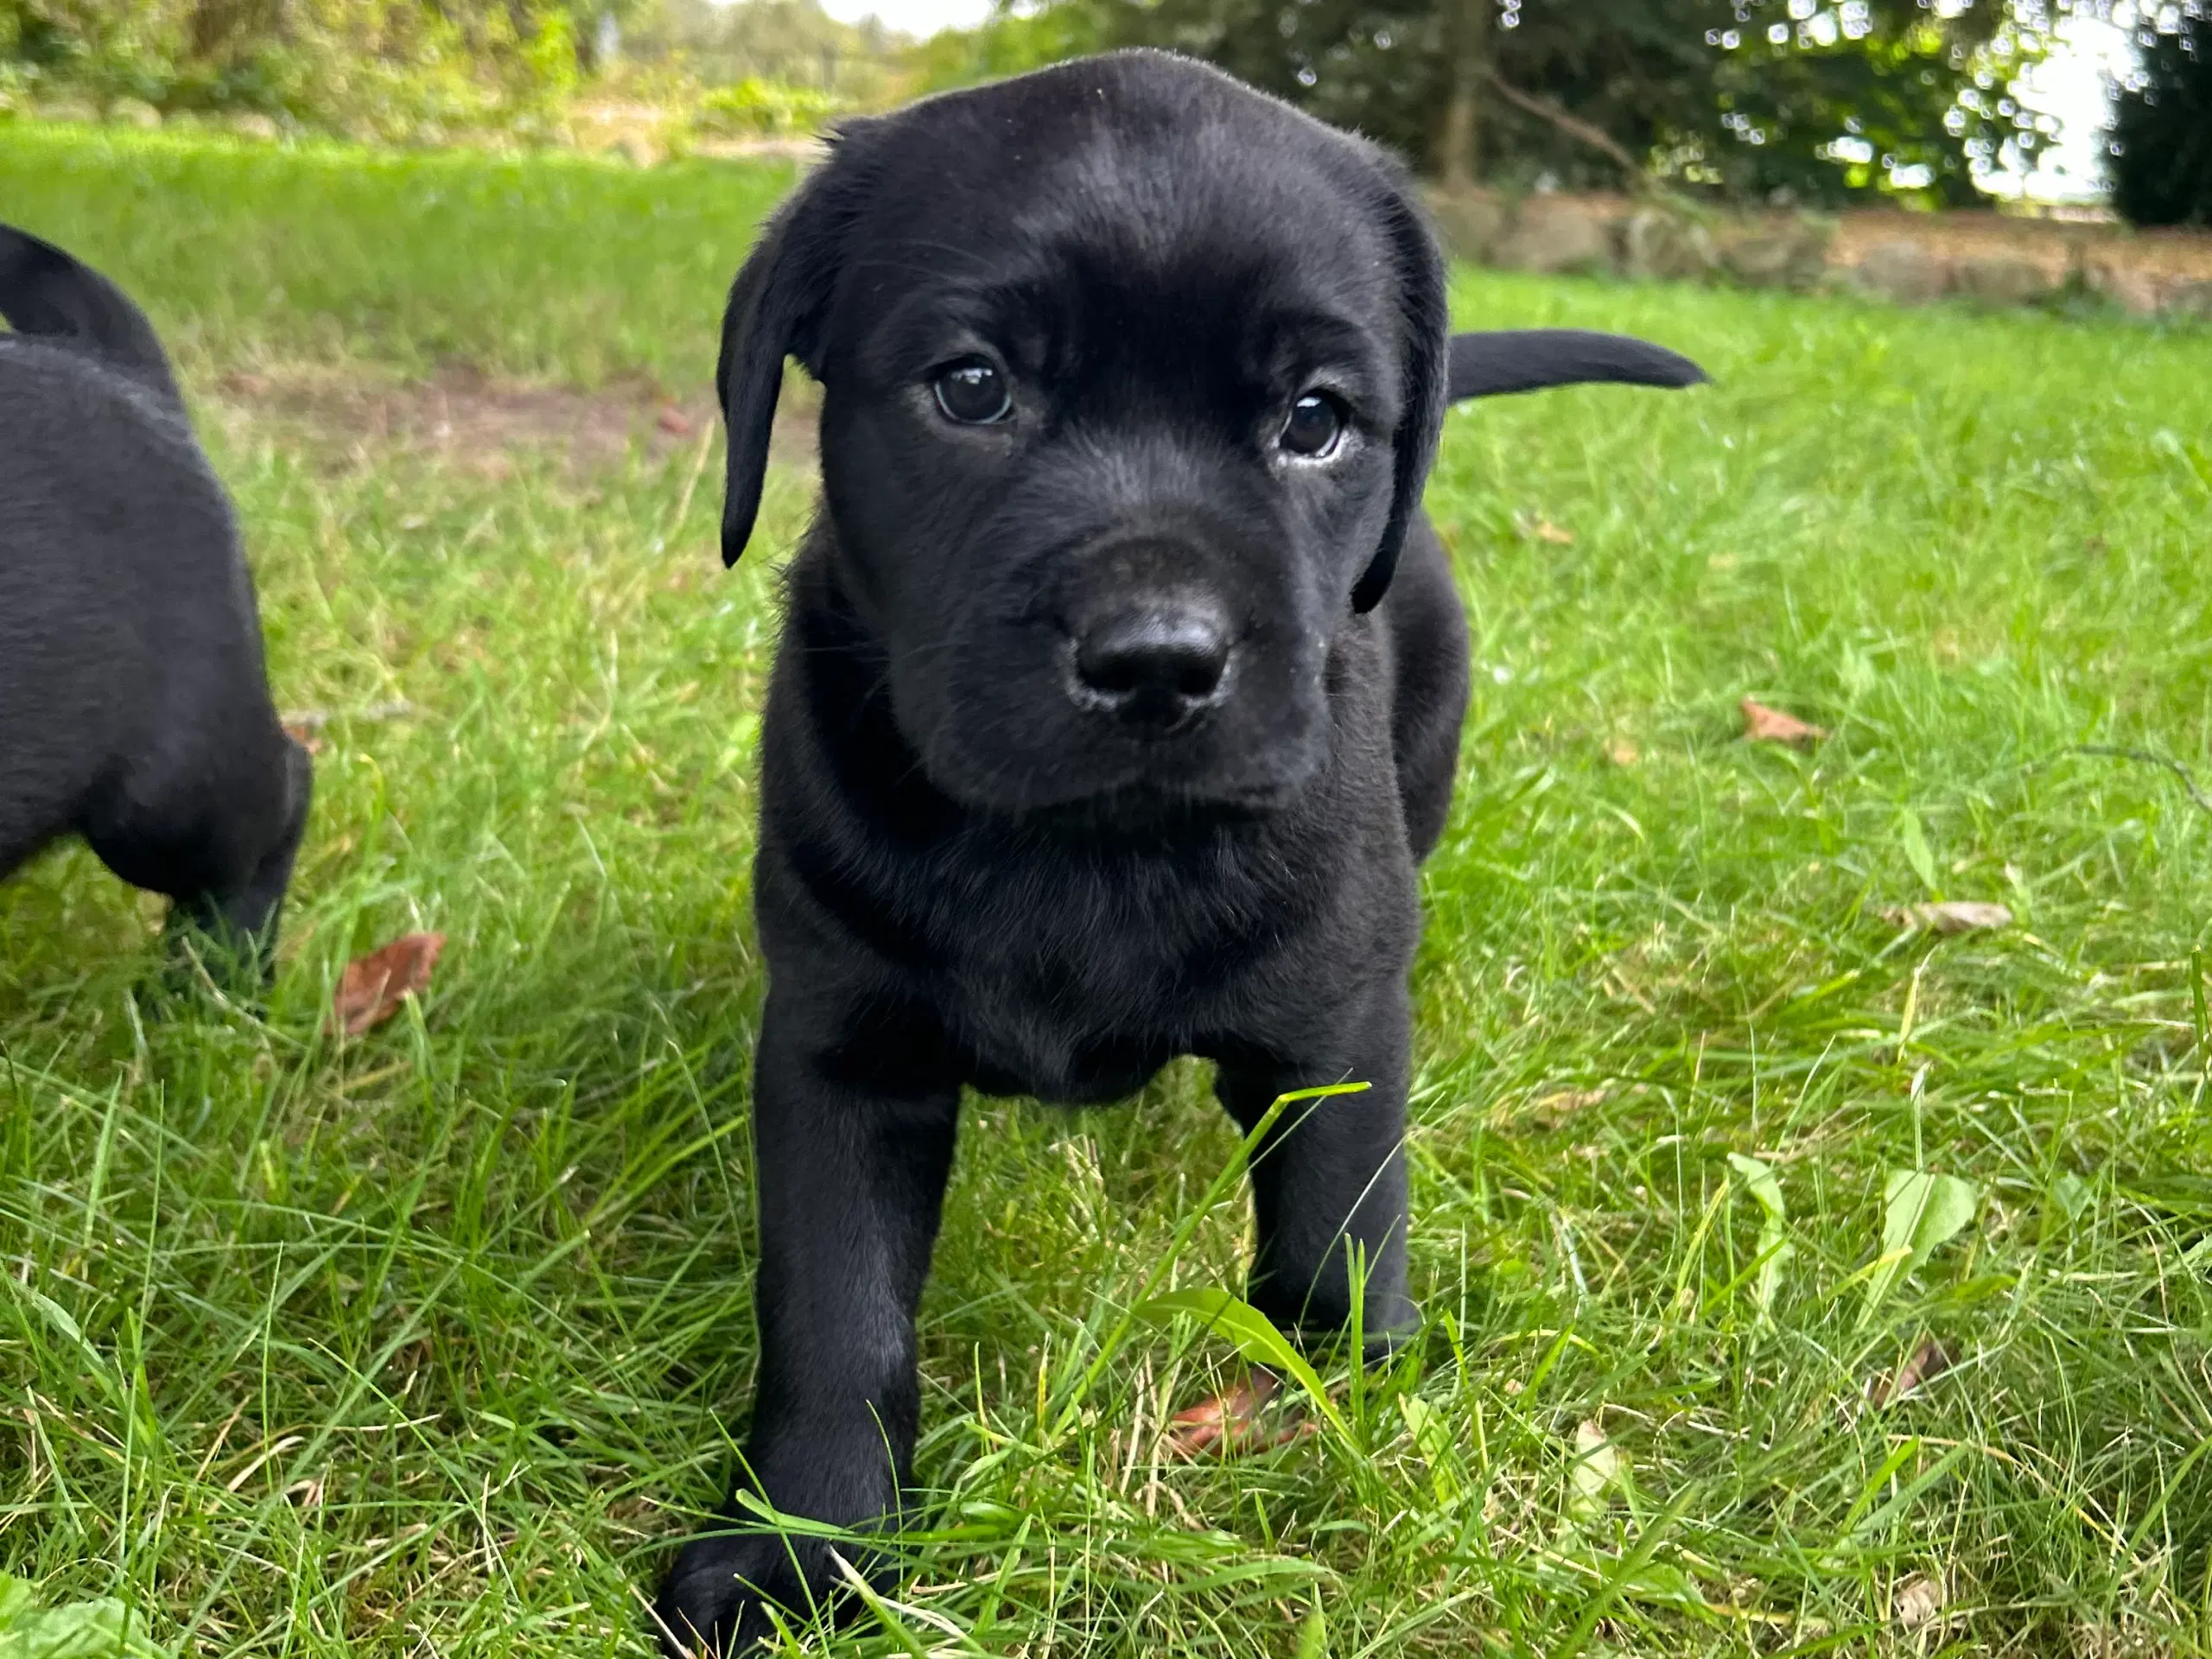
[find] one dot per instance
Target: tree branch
(1573, 126)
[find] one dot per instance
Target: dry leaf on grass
(1551, 1110)
(303, 735)
(1919, 1599)
(373, 987)
(1766, 725)
(674, 422)
(1228, 1424)
(1928, 1362)
(1958, 916)
(1556, 535)
(1597, 1470)
(1622, 752)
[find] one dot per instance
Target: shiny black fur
(974, 870)
(133, 707)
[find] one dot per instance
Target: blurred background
(2072, 106)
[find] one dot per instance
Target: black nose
(1154, 665)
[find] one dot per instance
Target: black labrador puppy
(133, 710)
(1118, 697)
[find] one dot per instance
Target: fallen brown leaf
(1927, 1363)
(1549, 1111)
(674, 422)
(373, 987)
(1766, 725)
(1956, 916)
(304, 736)
(1622, 752)
(1919, 1599)
(1228, 1424)
(1556, 535)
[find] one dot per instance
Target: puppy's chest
(1076, 981)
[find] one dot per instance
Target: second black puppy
(1119, 697)
(133, 707)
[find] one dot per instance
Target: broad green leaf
(2071, 1194)
(1776, 1252)
(1923, 1211)
(1254, 1335)
(1914, 840)
(105, 1629)
(1597, 1470)
(1665, 1584)
(1434, 1441)
(1313, 1635)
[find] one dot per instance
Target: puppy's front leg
(852, 1154)
(1329, 1180)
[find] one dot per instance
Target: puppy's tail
(1495, 362)
(46, 292)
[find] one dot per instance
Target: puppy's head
(1131, 377)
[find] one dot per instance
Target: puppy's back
(126, 607)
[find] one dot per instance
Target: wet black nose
(1154, 665)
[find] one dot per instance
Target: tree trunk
(1466, 60)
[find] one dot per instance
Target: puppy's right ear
(776, 309)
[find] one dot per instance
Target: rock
(1904, 271)
(2003, 282)
(1470, 222)
(1557, 233)
(134, 112)
(2131, 289)
(67, 109)
(1789, 255)
(2191, 299)
(251, 124)
(1658, 243)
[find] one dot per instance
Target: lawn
(419, 1342)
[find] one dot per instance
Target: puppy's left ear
(1425, 334)
(778, 308)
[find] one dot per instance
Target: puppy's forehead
(1153, 165)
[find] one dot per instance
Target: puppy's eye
(972, 391)
(1316, 422)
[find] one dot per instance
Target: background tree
(2161, 166)
(1824, 99)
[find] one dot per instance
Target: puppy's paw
(714, 1600)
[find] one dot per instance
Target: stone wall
(1987, 258)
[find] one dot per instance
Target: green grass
(420, 1343)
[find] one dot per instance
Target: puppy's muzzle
(1156, 664)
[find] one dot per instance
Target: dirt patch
(471, 421)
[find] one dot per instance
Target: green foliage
(1873, 95)
(379, 69)
(765, 107)
(424, 1343)
(781, 42)
(2161, 167)
(1010, 43)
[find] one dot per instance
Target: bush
(391, 70)
(771, 108)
